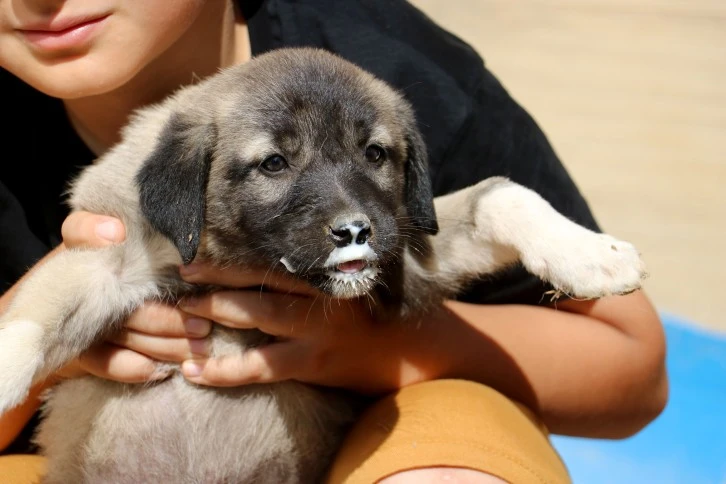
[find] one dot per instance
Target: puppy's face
(310, 169)
(313, 184)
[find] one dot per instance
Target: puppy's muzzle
(354, 230)
(351, 260)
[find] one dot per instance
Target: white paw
(587, 265)
(20, 360)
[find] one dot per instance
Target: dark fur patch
(238, 172)
(172, 184)
(419, 194)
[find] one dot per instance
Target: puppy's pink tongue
(352, 267)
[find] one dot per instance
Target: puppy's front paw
(20, 360)
(587, 265)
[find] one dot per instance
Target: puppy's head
(297, 159)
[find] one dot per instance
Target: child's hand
(320, 340)
(85, 229)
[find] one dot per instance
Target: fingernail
(197, 326)
(189, 269)
(199, 347)
(108, 230)
(192, 368)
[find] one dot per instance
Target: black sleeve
(42, 153)
(500, 138)
(20, 249)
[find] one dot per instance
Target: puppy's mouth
(357, 272)
(345, 274)
(353, 278)
(351, 271)
(351, 262)
(342, 269)
(352, 267)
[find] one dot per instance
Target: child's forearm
(593, 369)
(12, 422)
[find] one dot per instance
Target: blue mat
(686, 444)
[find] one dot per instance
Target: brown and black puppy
(297, 161)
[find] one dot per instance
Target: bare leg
(435, 475)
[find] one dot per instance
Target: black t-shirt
(472, 127)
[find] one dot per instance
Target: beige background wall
(632, 95)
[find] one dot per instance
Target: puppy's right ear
(419, 193)
(173, 183)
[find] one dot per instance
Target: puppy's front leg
(508, 222)
(61, 310)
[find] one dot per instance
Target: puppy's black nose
(347, 233)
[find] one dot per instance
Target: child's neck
(218, 39)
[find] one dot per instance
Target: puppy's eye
(274, 163)
(375, 154)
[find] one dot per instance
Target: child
(476, 388)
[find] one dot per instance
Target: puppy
(299, 161)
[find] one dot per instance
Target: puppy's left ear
(419, 193)
(173, 183)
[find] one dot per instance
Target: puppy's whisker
(313, 263)
(312, 305)
(371, 302)
(270, 268)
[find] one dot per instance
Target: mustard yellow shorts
(443, 423)
(448, 423)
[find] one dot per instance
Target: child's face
(76, 48)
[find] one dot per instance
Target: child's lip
(60, 24)
(62, 34)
